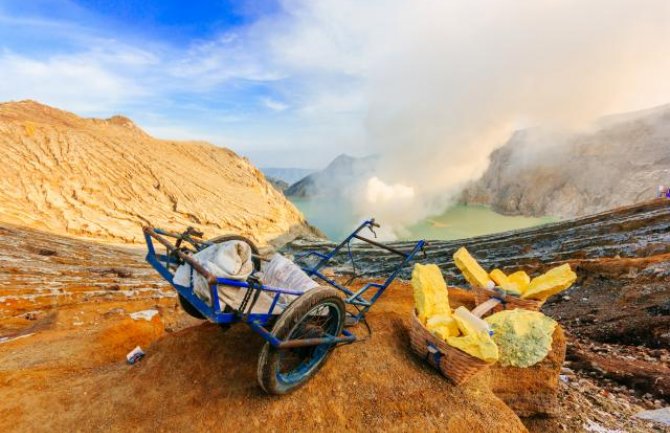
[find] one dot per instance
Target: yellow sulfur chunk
(468, 323)
(504, 282)
(551, 282)
(499, 277)
(479, 345)
(521, 279)
(430, 292)
(443, 326)
(472, 271)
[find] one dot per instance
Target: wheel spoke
(319, 322)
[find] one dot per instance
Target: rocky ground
(42, 272)
(66, 325)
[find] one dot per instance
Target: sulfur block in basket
(472, 271)
(475, 339)
(480, 345)
(551, 282)
(521, 279)
(468, 323)
(430, 292)
(442, 326)
(504, 282)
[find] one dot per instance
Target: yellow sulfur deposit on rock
(472, 271)
(430, 292)
(551, 282)
(504, 282)
(523, 337)
(443, 326)
(479, 345)
(521, 279)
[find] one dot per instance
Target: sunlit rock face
(104, 178)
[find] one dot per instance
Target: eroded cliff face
(103, 179)
(621, 161)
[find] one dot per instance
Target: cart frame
(163, 264)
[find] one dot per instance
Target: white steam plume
(435, 85)
(462, 76)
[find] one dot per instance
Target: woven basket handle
(485, 307)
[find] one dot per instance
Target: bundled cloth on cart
(233, 260)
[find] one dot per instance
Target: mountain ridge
(342, 172)
(103, 178)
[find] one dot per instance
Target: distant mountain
(343, 172)
(620, 162)
(279, 184)
(288, 175)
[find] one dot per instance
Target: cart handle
(382, 246)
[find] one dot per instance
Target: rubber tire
(268, 359)
(254, 249)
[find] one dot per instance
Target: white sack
(283, 273)
(232, 260)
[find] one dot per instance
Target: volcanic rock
(621, 161)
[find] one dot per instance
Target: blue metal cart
(303, 335)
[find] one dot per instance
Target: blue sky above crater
(181, 69)
(434, 85)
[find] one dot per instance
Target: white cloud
(274, 104)
(79, 82)
(437, 84)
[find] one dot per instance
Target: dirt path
(62, 366)
(200, 378)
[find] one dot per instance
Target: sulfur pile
(459, 328)
(517, 338)
(518, 283)
(523, 337)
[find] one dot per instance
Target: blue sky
(431, 85)
(186, 70)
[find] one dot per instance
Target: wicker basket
(507, 302)
(453, 363)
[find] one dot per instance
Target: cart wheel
(190, 309)
(316, 313)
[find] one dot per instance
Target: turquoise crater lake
(458, 222)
